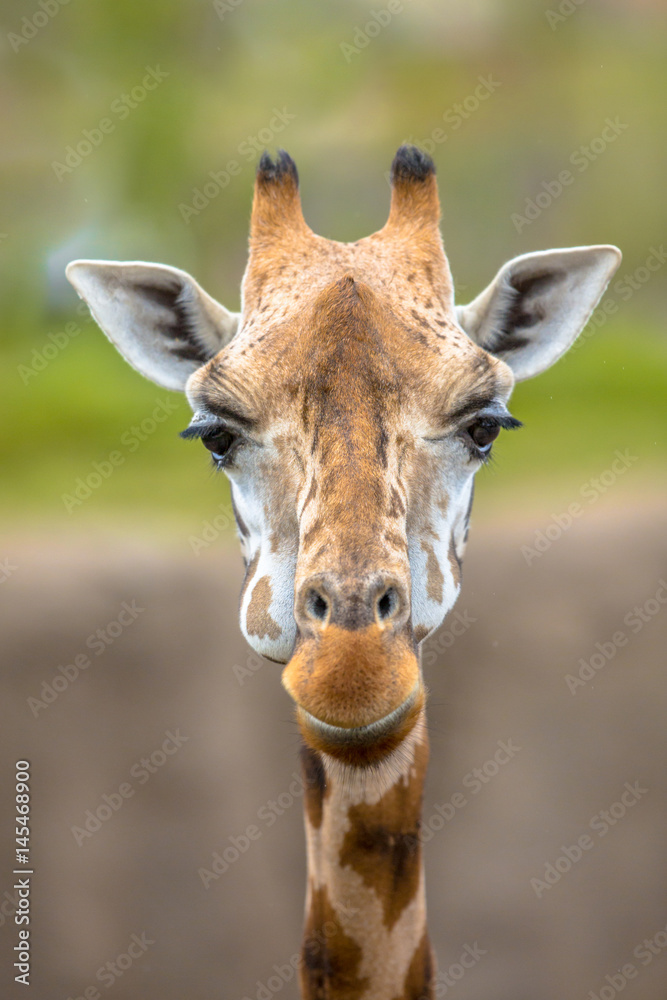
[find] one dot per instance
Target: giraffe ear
(158, 317)
(538, 304)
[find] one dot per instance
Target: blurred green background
(350, 82)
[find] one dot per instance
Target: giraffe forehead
(286, 272)
(350, 354)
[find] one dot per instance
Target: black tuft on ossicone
(277, 170)
(411, 164)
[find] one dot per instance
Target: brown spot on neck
(382, 844)
(331, 959)
(419, 981)
(316, 789)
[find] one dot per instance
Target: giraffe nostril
(353, 605)
(387, 604)
(317, 605)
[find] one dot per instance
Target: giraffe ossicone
(351, 403)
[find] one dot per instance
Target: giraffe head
(350, 404)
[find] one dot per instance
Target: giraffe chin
(358, 692)
(363, 746)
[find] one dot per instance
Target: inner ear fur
(538, 304)
(162, 322)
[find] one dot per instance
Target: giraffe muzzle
(363, 746)
(358, 692)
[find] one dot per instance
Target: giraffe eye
(221, 446)
(482, 434)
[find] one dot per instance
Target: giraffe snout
(358, 691)
(325, 600)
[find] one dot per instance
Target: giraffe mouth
(363, 746)
(358, 692)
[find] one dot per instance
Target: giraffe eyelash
(201, 430)
(221, 441)
(492, 423)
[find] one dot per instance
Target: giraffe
(351, 403)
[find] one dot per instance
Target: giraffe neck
(365, 936)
